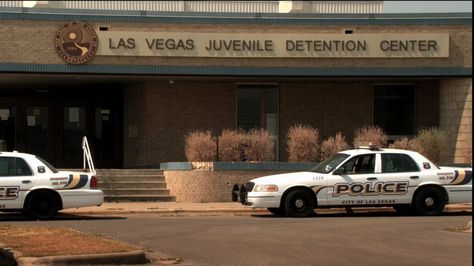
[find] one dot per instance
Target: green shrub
(200, 146)
(333, 145)
(370, 135)
(303, 144)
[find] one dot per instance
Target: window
(329, 164)
(398, 163)
(47, 164)
(394, 109)
(362, 164)
(11, 166)
(257, 107)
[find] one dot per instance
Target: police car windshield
(329, 164)
(47, 164)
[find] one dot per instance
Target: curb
(7, 256)
(11, 257)
(249, 211)
(132, 257)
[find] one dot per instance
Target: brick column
(455, 114)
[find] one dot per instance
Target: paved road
(381, 238)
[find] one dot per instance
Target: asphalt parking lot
(373, 238)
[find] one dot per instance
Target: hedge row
(231, 146)
(303, 144)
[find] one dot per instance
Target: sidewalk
(164, 208)
(179, 208)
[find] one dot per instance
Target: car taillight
(93, 182)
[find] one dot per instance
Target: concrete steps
(141, 198)
(131, 185)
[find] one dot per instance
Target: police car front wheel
(299, 203)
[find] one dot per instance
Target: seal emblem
(76, 42)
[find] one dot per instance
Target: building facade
(136, 84)
(367, 7)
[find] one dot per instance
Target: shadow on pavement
(363, 214)
(18, 217)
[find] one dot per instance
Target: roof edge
(235, 71)
(228, 18)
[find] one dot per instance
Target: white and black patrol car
(403, 179)
(31, 185)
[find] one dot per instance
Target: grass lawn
(40, 241)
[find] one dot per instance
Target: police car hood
(284, 178)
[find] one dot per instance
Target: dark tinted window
(257, 107)
(394, 108)
(397, 163)
(47, 164)
(11, 166)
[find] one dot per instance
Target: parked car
(33, 186)
(362, 177)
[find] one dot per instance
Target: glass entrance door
(37, 129)
(51, 124)
(104, 145)
(7, 128)
(74, 128)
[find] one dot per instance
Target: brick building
(142, 80)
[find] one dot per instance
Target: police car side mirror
(41, 169)
(340, 171)
(328, 168)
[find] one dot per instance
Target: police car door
(16, 178)
(353, 180)
(398, 179)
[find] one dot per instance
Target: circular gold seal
(76, 42)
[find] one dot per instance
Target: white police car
(362, 177)
(31, 185)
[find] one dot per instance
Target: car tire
(429, 201)
(277, 211)
(299, 203)
(404, 209)
(42, 206)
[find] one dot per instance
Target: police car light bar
(371, 146)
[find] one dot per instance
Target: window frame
(374, 164)
(402, 155)
(9, 162)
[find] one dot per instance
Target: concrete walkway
(163, 208)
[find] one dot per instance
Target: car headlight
(265, 188)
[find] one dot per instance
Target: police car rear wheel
(429, 201)
(43, 206)
(299, 203)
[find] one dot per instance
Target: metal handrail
(87, 156)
